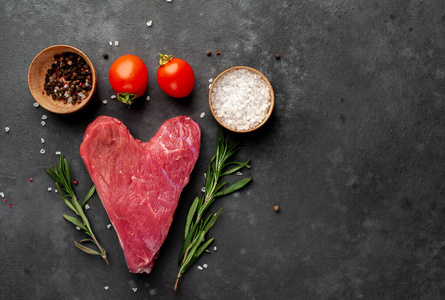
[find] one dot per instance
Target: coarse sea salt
(42, 140)
(7, 129)
(42, 151)
(36, 104)
(106, 288)
(241, 99)
(104, 101)
(199, 268)
(2, 195)
(202, 115)
(149, 23)
(58, 152)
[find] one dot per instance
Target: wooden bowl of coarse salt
(241, 99)
(71, 84)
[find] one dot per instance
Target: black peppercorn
(106, 56)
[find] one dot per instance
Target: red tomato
(175, 76)
(128, 77)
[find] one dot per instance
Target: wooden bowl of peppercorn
(62, 79)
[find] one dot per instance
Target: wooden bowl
(272, 99)
(36, 78)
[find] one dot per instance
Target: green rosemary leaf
(74, 221)
(234, 187)
(212, 221)
(190, 215)
(203, 247)
(86, 240)
(82, 214)
(89, 195)
(69, 204)
(86, 249)
(239, 166)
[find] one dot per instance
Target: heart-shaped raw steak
(138, 183)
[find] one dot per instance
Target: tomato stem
(126, 98)
(164, 58)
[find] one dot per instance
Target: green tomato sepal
(126, 98)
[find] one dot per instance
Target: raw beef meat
(138, 183)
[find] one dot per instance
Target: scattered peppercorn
(30, 180)
(277, 56)
(218, 52)
(4, 200)
(106, 56)
(208, 53)
(76, 182)
(10, 205)
(276, 208)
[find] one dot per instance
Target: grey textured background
(353, 153)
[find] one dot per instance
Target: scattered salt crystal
(2, 195)
(77, 227)
(109, 226)
(239, 173)
(214, 248)
(87, 206)
(211, 80)
(113, 96)
(199, 268)
(104, 101)
(50, 189)
(55, 190)
(7, 129)
(42, 140)
(81, 95)
(135, 289)
(152, 292)
(43, 123)
(203, 189)
(58, 152)
(111, 43)
(148, 98)
(202, 115)
(205, 266)
(106, 288)
(210, 85)
(36, 104)
(42, 151)
(116, 43)
(169, 0)
(149, 23)
(44, 117)
(205, 175)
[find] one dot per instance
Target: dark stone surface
(353, 153)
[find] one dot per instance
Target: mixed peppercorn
(69, 79)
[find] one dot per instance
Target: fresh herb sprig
(196, 226)
(61, 174)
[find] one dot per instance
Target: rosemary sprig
(196, 226)
(61, 174)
